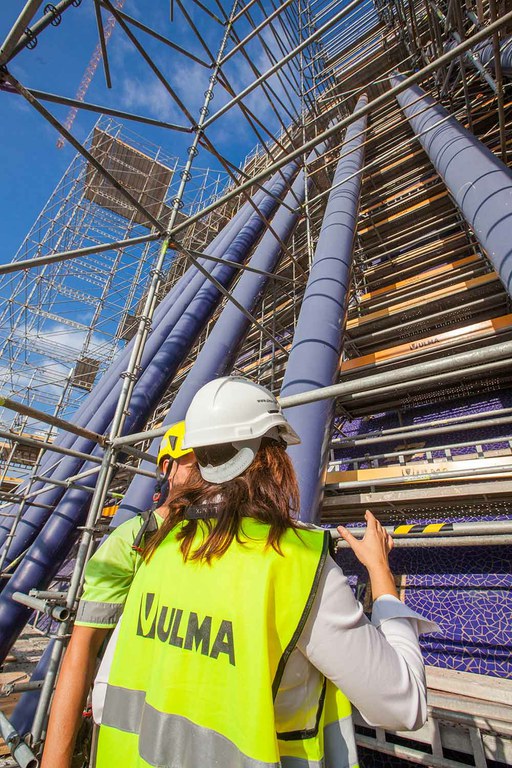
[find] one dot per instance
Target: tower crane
(90, 70)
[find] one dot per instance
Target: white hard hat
(236, 413)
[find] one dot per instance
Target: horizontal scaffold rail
(476, 331)
(497, 352)
(422, 472)
(445, 534)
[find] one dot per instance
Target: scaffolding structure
(421, 431)
(62, 324)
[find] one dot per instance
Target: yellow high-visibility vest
(195, 680)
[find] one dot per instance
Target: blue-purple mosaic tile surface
(467, 591)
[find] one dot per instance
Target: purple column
(219, 353)
(315, 355)
(485, 52)
(98, 407)
(478, 180)
(103, 399)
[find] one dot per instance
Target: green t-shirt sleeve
(108, 576)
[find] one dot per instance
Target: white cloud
(150, 96)
(191, 81)
(119, 49)
(50, 354)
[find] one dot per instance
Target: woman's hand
(373, 551)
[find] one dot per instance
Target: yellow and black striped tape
(401, 530)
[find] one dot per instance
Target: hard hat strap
(149, 525)
(162, 486)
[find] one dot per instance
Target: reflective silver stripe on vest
(340, 744)
(171, 740)
(99, 613)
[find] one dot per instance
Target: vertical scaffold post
(169, 343)
(315, 354)
(480, 182)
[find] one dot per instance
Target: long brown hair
(267, 491)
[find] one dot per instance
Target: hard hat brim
(286, 432)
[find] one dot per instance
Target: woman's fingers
(377, 527)
(373, 549)
(371, 520)
(347, 536)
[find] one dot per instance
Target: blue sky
(32, 165)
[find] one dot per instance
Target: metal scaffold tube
(171, 312)
(23, 755)
(41, 561)
(480, 182)
(457, 424)
(18, 29)
(23, 715)
(317, 343)
(270, 239)
(447, 534)
(403, 332)
(486, 54)
(460, 363)
(499, 353)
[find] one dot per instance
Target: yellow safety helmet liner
(172, 443)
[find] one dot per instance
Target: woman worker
(241, 643)
(108, 577)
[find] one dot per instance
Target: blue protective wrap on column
(100, 412)
(155, 368)
(485, 52)
(104, 398)
(317, 342)
(53, 542)
(96, 409)
(219, 353)
(478, 180)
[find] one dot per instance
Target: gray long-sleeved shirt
(378, 664)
